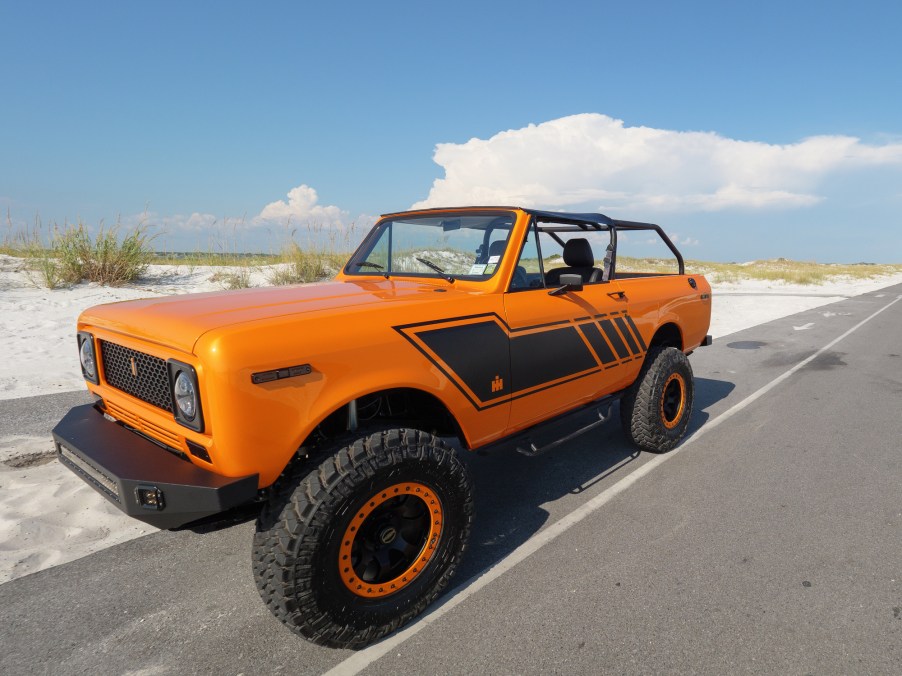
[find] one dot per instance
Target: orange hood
(181, 320)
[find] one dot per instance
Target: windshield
(451, 246)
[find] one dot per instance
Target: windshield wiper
(432, 265)
(368, 264)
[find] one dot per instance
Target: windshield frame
(368, 245)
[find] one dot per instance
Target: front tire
(350, 551)
(656, 408)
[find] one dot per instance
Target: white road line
(362, 659)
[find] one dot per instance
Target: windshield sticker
(494, 259)
(477, 270)
(489, 269)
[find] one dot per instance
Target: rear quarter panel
(656, 301)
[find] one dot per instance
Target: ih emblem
(497, 384)
(134, 368)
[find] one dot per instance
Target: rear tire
(656, 408)
(350, 551)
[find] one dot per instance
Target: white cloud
(171, 223)
(594, 161)
(302, 207)
(195, 221)
(299, 217)
(679, 240)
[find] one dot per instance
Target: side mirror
(568, 283)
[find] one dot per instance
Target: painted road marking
(362, 659)
(804, 327)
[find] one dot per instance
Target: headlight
(86, 356)
(185, 396)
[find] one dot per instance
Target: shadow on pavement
(512, 489)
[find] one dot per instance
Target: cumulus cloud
(173, 222)
(302, 207)
(597, 162)
(195, 221)
(270, 227)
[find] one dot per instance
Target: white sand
(48, 516)
(39, 324)
(740, 305)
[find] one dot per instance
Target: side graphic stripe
(539, 358)
(615, 339)
(476, 368)
(598, 343)
(626, 334)
(492, 364)
(637, 334)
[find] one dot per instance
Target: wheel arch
(667, 335)
(402, 406)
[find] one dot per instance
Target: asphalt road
(36, 416)
(770, 543)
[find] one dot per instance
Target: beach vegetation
(114, 255)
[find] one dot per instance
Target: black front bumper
(141, 478)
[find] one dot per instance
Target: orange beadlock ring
(430, 510)
(675, 386)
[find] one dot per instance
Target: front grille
(151, 384)
(143, 425)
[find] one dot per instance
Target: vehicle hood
(179, 321)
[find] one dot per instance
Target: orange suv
(331, 403)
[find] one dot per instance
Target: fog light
(149, 497)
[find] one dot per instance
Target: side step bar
(532, 449)
(550, 434)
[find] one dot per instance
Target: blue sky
(749, 130)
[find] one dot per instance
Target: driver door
(568, 349)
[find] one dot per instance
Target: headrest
(496, 248)
(578, 253)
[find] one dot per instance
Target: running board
(532, 448)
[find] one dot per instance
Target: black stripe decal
(615, 339)
(563, 382)
(492, 364)
(593, 335)
(626, 334)
(538, 326)
(636, 331)
(540, 358)
(477, 353)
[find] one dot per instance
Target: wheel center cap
(388, 534)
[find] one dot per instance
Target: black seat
(496, 248)
(579, 259)
(520, 280)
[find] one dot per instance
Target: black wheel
(655, 410)
(359, 546)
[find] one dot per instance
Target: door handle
(617, 295)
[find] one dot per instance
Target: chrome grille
(151, 384)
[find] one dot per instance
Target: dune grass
(115, 255)
(783, 270)
(793, 272)
(69, 254)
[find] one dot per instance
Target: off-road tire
(651, 417)
(301, 532)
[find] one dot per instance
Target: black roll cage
(600, 222)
